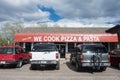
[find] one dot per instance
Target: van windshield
(94, 49)
(44, 47)
(6, 51)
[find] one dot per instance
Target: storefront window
(71, 47)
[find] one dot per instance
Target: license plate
(43, 62)
(2, 62)
(105, 64)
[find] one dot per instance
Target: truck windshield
(6, 51)
(94, 49)
(44, 47)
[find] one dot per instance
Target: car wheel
(119, 65)
(77, 67)
(58, 66)
(19, 64)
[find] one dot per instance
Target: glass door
(62, 51)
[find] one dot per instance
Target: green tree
(8, 31)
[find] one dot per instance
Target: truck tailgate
(43, 55)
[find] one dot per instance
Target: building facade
(65, 39)
(115, 30)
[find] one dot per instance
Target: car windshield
(94, 49)
(44, 47)
(6, 51)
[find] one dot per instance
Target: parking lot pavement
(66, 72)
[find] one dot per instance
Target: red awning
(61, 37)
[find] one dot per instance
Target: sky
(65, 13)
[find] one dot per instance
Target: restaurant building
(115, 30)
(65, 38)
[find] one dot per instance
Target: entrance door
(28, 47)
(61, 48)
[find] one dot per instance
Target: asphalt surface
(66, 72)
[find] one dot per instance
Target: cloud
(75, 13)
(21, 10)
(94, 10)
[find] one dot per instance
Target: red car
(13, 55)
(115, 57)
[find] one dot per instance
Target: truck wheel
(33, 67)
(28, 61)
(19, 64)
(119, 65)
(77, 67)
(58, 66)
